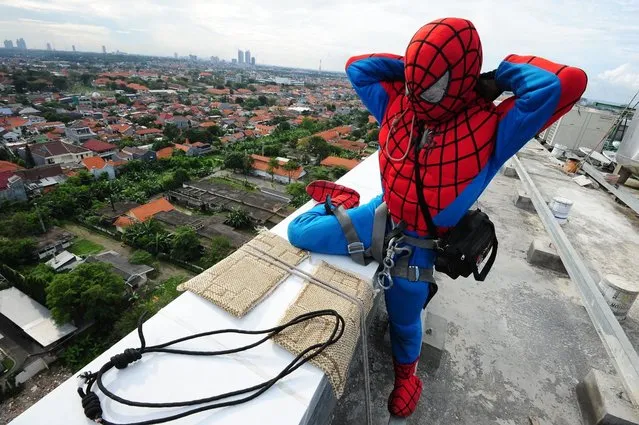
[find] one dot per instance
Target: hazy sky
(600, 36)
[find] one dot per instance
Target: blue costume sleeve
(543, 91)
(317, 231)
(377, 79)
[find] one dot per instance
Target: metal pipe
(624, 357)
(362, 318)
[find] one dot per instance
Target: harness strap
(355, 246)
(379, 232)
(421, 243)
(412, 273)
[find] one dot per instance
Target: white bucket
(560, 208)
(558, 150)
(619, 294)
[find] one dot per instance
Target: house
(137, 87)
(134, 275)
(12, 187)
(14, 124)
(122, 129)
(139, 153)
(32, 319)
(261, 168)
(10, 137)
(334, 161)
(58, 152)
(179, 121)
(334, 133)
(350, 145)
(149, 133)
(79, 133)
(42, 178)
(64, 261)
(110, 213)
(100, 148)
(164, 153)
(194, 149)
(142, 213)
(98, 166)
(54, 241)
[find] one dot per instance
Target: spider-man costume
(432, 97)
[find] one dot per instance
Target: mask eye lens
(436, 92)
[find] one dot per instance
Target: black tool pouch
(466, 246)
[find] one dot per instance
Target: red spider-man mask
(442, 63)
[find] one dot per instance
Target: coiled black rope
(91, 402)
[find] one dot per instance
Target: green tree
(298, 194)
(220, 249)
(141, 257)
(338, 172)
(238, 162)
(161, 144)
(60, 83)
(148, 235)
(290, 167)
(171, 131)
(16, 252)
(262, 99)
(90, 292)
(273, 164)
(372, 135)
(317, 147)
(238, 218)
(185, 245)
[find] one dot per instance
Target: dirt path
(166, 270)
(33, 391)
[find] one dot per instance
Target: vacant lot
(85, 247)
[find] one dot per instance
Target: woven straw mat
(240, 281)
(335, 360)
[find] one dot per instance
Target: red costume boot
(320, 190)
(408, 388)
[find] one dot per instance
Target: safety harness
(458, 253)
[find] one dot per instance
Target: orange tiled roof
(137, 87)
(146, 211)
(207, 124)
(123, 221)
(93, 162)
(164, 153)
(8, 166)
(261, 163)
(334, 161)
(12, 122)
(145, 131)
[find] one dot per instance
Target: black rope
(91, 402)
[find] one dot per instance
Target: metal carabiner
(382, 277)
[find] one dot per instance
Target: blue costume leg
(317, 231)
(404, 303)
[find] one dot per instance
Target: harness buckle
(356, 248)
(413, 273)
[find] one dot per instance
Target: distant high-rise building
(8, 44)
(247, 57)
(234, 61)
(49, 46)
(240, 56)
(253, 60)
(104, 49)
(73, 47)
(21, 44)
(175, 55)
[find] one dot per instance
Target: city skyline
(601, 38)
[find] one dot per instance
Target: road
(166, 270)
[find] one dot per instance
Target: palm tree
(273, 164)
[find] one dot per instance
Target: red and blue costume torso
(433, 88)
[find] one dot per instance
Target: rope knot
(130, 355)
(91, 405)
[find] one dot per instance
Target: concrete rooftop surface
(516, 345)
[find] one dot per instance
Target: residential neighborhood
(131, 174)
